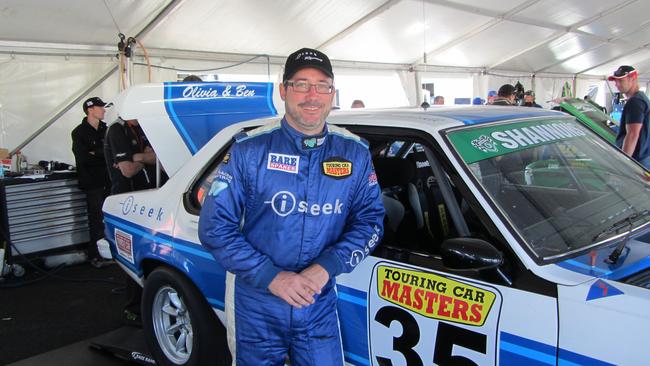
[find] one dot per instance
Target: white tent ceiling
(526, 36)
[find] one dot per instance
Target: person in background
(529, 99)
(358, 103)
(633, 135)
(285, 258)
(439, 100)
(505, 96)
(131, 165)
(192, 78)
(88, 150)
(490, 96)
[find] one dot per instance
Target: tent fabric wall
(35, 88)
(397, 42)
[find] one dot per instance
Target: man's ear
(282, 89)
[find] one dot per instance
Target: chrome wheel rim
(172, 325)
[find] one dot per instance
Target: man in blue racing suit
(294, 204)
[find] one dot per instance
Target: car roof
(438, 118)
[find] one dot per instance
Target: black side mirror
(470, 254)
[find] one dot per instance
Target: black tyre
(180, 326)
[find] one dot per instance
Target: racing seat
(401, 201)
(434, 209)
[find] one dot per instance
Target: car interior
(419, 214)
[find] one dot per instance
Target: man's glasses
(304, 87)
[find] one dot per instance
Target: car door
(402, 306)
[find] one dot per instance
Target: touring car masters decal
(434, 296)
(417, 316)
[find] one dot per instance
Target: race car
(513, 236)
(591, 116)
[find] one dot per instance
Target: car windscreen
(555, 181)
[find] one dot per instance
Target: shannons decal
(434, 296)
(475, 144)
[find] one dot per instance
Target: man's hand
(317, 274)
(295, 289)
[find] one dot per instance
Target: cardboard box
(4, 153)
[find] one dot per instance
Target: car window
(202, 186)
(418, 213)
(556, 182)
(418, 217)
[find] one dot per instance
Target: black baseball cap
(307, 57)
(622, 72)
(506, 90)
(92, 102)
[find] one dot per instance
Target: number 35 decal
(446, 337)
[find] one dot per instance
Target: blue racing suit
(281, 201)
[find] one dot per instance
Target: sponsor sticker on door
(124, 243)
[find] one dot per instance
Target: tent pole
(418, 88)
(62, 111)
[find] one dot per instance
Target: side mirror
(470, 254)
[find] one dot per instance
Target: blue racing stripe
(568, 358)
(216, 303)
(522, 352)
(345, 297)
(516, 350)
(355, 359)
(511, 346)
(174, 118)
(353, 319)
(352, 295)
(175, 243)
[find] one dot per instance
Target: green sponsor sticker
(481, 143)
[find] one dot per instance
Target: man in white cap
(633, 132)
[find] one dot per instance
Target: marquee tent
(54, 54)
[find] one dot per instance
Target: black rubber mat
(41, 313)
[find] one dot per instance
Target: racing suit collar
(302, 141)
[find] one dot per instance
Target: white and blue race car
(514, 236)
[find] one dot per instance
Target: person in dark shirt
(505, 96)
(129, 157)
(131, 165)
(633, 135)
(88, 150)
(529, 99)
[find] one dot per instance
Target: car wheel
(180, 327)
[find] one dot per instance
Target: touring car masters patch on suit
(337, 167)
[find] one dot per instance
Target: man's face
(511, 98)
(490, 99)
(529, 99)
(625, 84)
(96, 112)
(306, 112)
